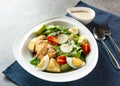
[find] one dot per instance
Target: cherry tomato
(52, 40)
(61, 60)
(86, 48)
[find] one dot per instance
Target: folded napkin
(104, 73)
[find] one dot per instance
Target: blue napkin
(104, 73)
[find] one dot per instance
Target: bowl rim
(65, 74)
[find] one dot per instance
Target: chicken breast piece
(51, 52)
(41, 50)
(41, 46)
(41, 37)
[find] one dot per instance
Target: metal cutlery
(100, 36)
(107, 32)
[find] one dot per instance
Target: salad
(58, 49)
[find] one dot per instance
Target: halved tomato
(61, 60)
(86, 48)
(52, 40)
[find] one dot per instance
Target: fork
(108, 33)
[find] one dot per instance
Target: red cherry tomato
(52, 40)
(86, 48)
(61, 60)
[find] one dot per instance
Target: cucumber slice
(66, 48)
(62, 38)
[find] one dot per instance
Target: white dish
(23, 55)
(83, 14)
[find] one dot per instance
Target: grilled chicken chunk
(51, 52)
(42, 48)
(41, 37)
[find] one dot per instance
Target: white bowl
(23, 55)
(85, 19)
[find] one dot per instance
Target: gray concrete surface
(18, 15)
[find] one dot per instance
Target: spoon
(107, 32)
(99, 35)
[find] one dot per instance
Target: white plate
(23, 55)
